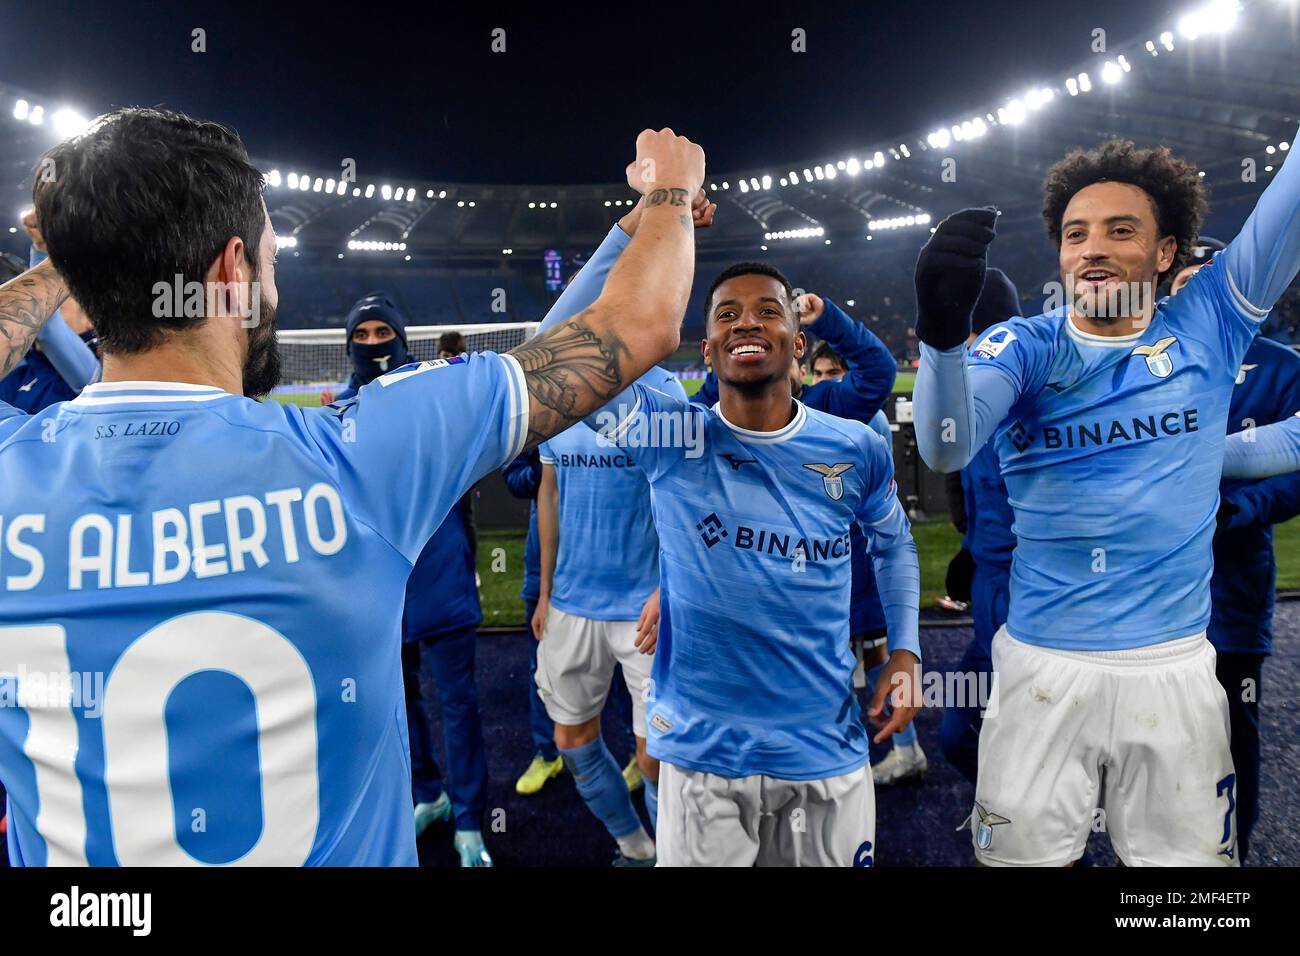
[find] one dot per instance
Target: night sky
(417, 92)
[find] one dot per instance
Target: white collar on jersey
(1105, 341)
(138, 393)
(781, 434)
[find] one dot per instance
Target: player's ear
(1167, 250)
(704, 351)
(800, 344)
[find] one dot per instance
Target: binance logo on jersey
(764, 541)
(415, 368)
(831, 479)
(1019, 436)
(1159, 363)
(711, 530)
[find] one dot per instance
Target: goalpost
(314, 359)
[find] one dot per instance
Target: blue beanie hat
(377, 305)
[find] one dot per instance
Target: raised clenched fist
(665, 160)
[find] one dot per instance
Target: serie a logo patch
(416, 368)
(991, 345)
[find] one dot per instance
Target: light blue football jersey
(607, 563)
(1111, 457)
(753, 668)
(200, 626)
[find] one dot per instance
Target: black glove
(950, 275)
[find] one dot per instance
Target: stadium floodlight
(957, 133)
(767, 182)
(442, 194)
(1124, 64)
(1151, 48)
(1284, 146)
(1268, 169)
(1085, 83)
(471, 204)
(819, 172)
(68, 123)
(1167, 41)
(1218, 16)
(343, 188)
(830, 171)
(744, 186)
(293, 180)
(531, 205)
(370, 190)
(408, 258)
(853, 167)
(1072, 86)
(764, 248)
(460, 203)
(753, 183)
(273, 177)
(841, 165)
(869, 164)
(1270, 149)
(37, 116)
(428, 194)
(878, 158)
(316, 185)
(410, 193)
(386, 191)
(356, 191)
(793, 177)
(939, 139)
(608, 203)
(304, 183)
(807, 175)
(850, 302)
(1110, 72)
(506, 252)
(902, 148)
(329, 185)
(21, 108)
(828, 242)
(286, 242)
(784, 181)
(1015, 112)
(340, 255)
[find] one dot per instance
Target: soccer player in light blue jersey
(203, 594)
(753, 716)
(1109, 413)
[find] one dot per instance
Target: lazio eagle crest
(1159, 363)
(984, 829)
(831, 479)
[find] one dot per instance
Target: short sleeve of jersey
(657, 428)
(880, 494)
(1016, 349)
(1211, 299)
(10, 418)
(411, 442)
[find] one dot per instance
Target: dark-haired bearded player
(1110, 416)
(753, 715)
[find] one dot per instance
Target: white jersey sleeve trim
(1251, 312)
(518, 407)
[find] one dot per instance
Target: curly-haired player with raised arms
(1109, 415)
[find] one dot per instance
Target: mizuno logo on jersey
(1159, 363)
(831, 480)
(735, 462)
(1121, 430)
(991, 345)
(1241, 373)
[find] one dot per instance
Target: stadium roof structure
(1221, 86)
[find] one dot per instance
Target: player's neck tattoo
(25, 303)
(569, 370)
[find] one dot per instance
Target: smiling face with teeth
(753, 333)
(1112, 254)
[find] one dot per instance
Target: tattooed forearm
(675, 197)
(25, 303)
(571, 371)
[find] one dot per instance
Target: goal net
(313, 359)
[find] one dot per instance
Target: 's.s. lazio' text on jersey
(753, 668)
(607, 563)
(199, 630)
